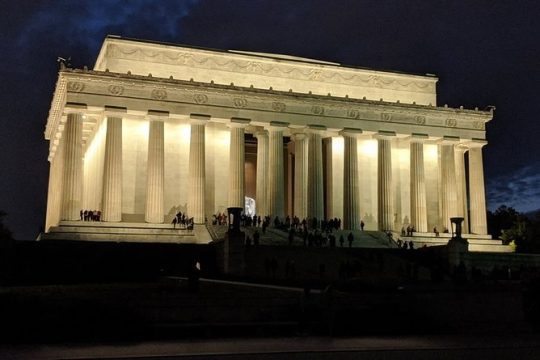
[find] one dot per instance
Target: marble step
(119, 237)
(117, 230)
(131, 225)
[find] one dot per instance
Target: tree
(501, 219)
(5, 234)
(6, 250)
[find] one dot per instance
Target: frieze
(451, 122)
(159, 94)
(343, 76)
(200, 98)
(279, 106)
(240, 102)
(116, 89)
(317, 110)
(386, 117)
(353, 113)
(480, 125)
(75, 86)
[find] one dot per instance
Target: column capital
(115, 111)
(476, 143)
(314, 129)
(75, 108)
(384, 135)
(351, 132)
(261, 133)
(157, 115)
(449, 140)
(418, 138)
(299, 136)
(237, 122)
(276, 126)
(199, 119)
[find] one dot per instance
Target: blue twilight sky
(484, 52)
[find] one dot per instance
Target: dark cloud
(519, 188)
(484, 53)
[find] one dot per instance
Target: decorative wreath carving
(451, 122)
(116, 89)
(420, 120)
(279, 106)
(240, 102)
(353, 113)
(75, 86)
(317, 110)
(200, 98)
(159, 94)
(480, 125)
(386, 116)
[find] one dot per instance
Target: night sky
(484, 53)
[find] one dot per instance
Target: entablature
(179, 98)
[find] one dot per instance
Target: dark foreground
(296, 348)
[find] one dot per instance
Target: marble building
(158, 128)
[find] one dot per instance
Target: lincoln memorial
(155, 129)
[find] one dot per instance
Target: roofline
(259, 55)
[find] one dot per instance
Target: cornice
(172, 90)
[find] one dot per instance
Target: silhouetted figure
(436, 231)
(411, 245)
(341, 240)
(350, 239)
(174, 222)
(362, 225)
(256, 237)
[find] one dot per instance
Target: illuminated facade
(156, 128)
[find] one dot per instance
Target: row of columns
(309, 200)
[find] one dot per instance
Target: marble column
(300, 175)
(315, 175)
(449, 205)
(276, 190)
(73, 167)
(477, 193)
(197, 173)
(155, 173)
(262, 173)
(112, 171)
(54, 195)
(237, 164)
(461, 183)
(351, 206)
(418, 185)
(384, 178)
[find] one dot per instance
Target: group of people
(183, 221)
(90, 215)
(405, 244)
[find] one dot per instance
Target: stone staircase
(273, 236)
(477, 243)
(126, 232)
